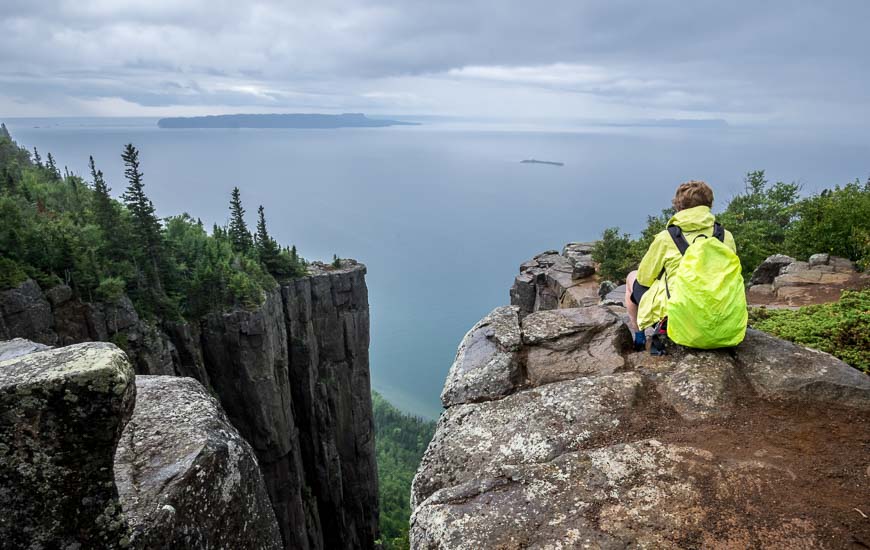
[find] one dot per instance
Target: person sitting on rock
(646, 293)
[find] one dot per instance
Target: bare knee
(629, 282)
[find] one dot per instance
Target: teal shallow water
(442, 217)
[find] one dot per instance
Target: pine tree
(36, 158)
(146, 226)
(52, 168)
(240, 237)
(4, 132)
(267, 248)
(105, 213)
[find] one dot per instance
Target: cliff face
(292, 376)
(556, 434)
(95, 457)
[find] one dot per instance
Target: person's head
(691, 194)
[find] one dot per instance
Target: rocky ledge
(783, 281)
(557, 435)
(182, 476)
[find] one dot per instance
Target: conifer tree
(146, 226)
(240, 237)
(36, 158)
(52, 168)
(105, 213)
(267, 248)
(4, 132)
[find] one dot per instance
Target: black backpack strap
(679, 240)
(719, 231)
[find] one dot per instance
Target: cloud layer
(781, 61)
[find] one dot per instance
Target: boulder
(769, 269)
(185, 476)
(63, 413)
(17, 347)
(781, 370)
(567, 343)
(487, 364)
(701, 385)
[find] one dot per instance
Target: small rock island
(295, 120)
(535, 161)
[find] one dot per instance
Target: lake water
(441, 214)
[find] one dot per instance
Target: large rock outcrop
(95, 457)
(292, 375)
(61, 416)
(185, 477)
(557, 435)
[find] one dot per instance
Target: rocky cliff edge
(557, 435)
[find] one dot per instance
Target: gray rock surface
(769, 269)
(551, 280)
(574, 441)
(781, 370)
(487, 364)
(185, 477)
(293, 376)
(63, 411)
(10, 349)
(782, 281)
(567, 343)
(25, 313)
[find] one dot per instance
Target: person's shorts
(637, 291)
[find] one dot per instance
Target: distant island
(535, 161)
(296, 120)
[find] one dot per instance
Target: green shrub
(111, 289)
(836, 221)
(11, 274)
(616, 254)
(840, 328)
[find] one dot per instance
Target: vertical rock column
(245, 353)
(327, 320)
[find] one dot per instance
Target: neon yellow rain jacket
(664, 253)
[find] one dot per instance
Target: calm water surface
(441, 216)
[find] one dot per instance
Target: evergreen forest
(58, 227)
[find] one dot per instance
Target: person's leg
(629, 304)
(631, 307)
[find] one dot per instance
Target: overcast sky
(780, 62)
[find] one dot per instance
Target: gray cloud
(754, 61)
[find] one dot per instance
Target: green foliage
(400, 441)
(111, 289)
(836, 221)
(336, 261)
(616, 254)
(840, 328)
(765, 219)
(759, 218)
(58, 229)
(11, 274)
(240, 237)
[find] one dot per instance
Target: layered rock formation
(182, 477)
(783, 281)
(557, 435)
(292, 376)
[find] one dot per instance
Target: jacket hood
(697, 218)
